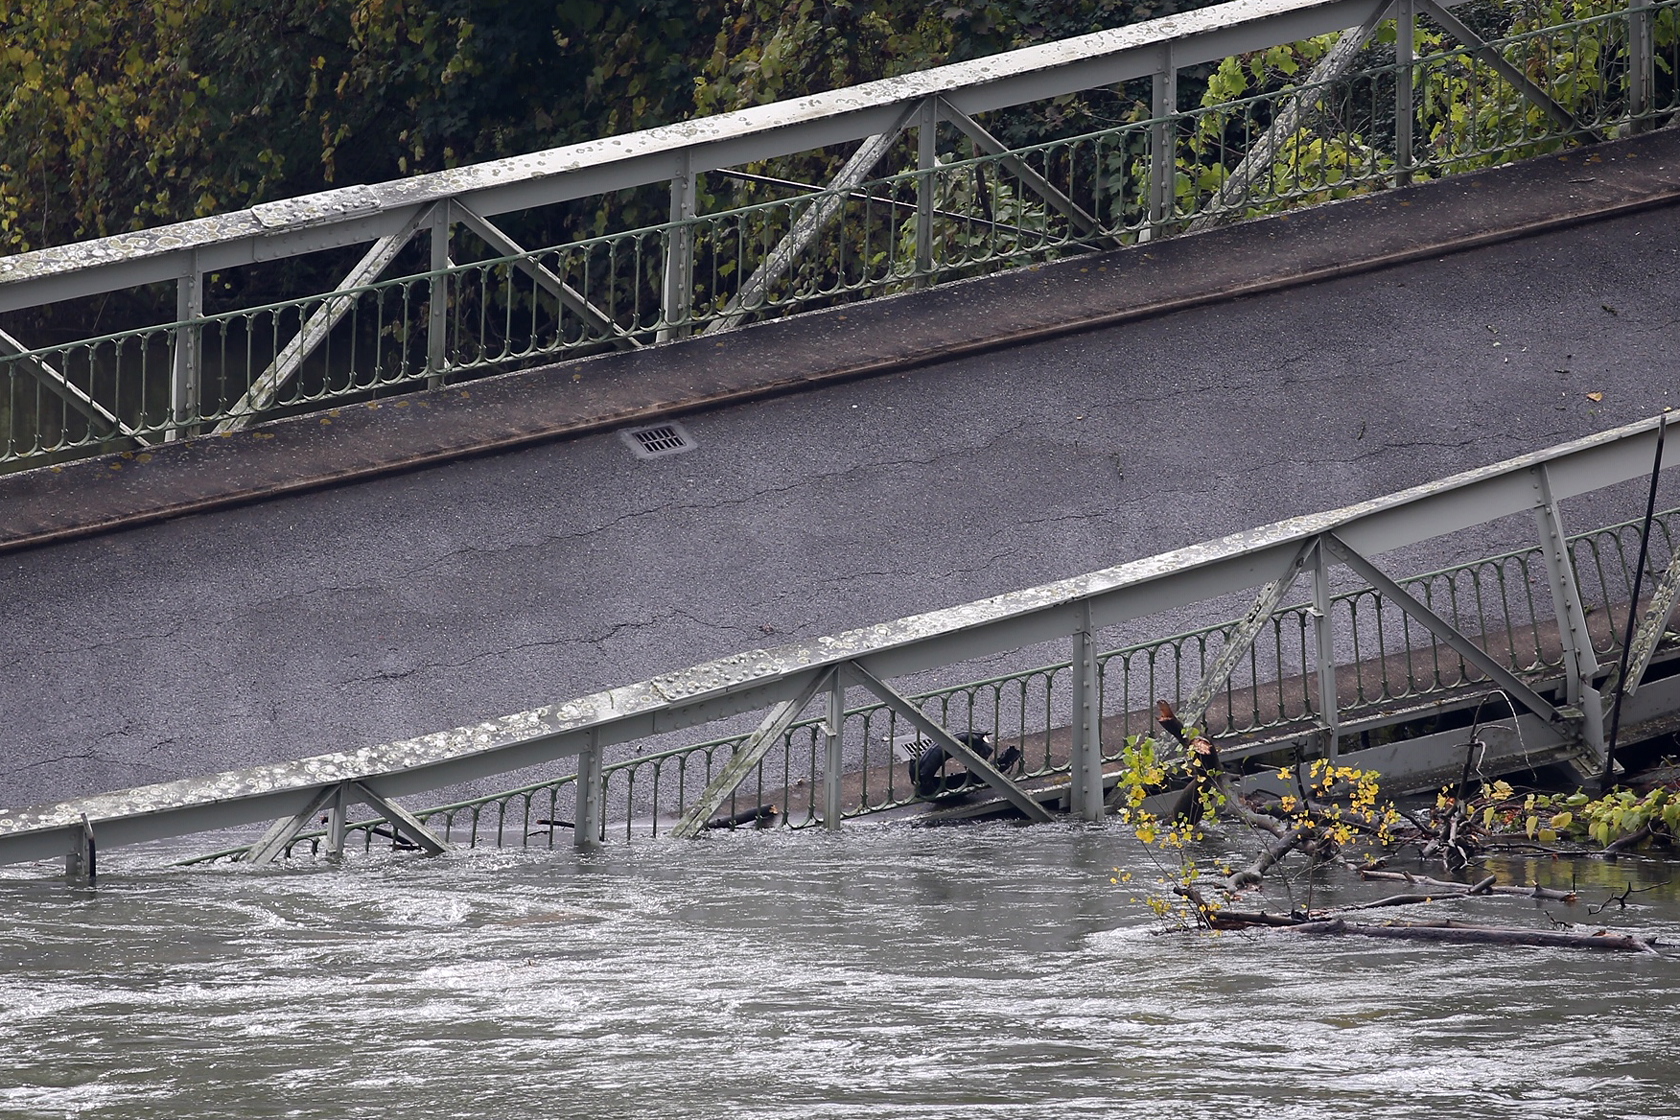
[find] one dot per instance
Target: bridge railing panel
(1286, 125)
(1386, 660)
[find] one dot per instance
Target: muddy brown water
(887, 971)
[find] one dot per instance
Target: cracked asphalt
(436, 598)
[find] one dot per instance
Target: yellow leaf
(1595, 396)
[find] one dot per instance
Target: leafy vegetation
(120, 114)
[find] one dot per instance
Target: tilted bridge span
(1543, 624)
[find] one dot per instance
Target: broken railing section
(335, 800)
(833, 683)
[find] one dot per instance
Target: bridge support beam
(1580, 664)
(281, 833)
(81, 863)
(1085, 733)
(678, 290)
(1392, 592)
(321, 322)
(569, 297)
(334, 800)
(1477, 46)
(587, 829)
(185, 365)
(70, 394)
(834, 756)
(1652, 625)
(1163, 145)
(1324, 656)
(338, 816)
(942, 738)
(1257, 164)
(806, 229)
(1405, 112)
(1194, 708)
(402, 822)
(749, 755)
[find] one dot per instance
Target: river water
(882, 972)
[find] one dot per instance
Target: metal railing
(1393, 662)
(1273, 674)
(1293, 123)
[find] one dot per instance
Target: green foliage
(1579, 818)
(1468, 116)
(120, 114)
(1332, 806)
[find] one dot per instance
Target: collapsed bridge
(1332, 670)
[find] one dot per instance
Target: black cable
(1633, 612)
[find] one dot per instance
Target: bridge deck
(1424, 221)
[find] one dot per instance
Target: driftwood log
(1459, 933)
(1444, 887)
(1445, 931)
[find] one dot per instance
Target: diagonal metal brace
(749, 755)
(569, 296)
(319, 325)
(282, 831)
(940, 737)
(1477, 46)
(807, 227)
(71, 394)
(1194, 706)
(1257, 163)
(1651, 628)
(1443, 630)
(401, 820)
(1088, 226)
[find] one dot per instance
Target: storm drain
(655, 441)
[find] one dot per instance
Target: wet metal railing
(1405, 92)
(1500, 599)
(1323, 674)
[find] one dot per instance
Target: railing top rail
(758, 678)
(355, 214)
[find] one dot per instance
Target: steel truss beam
(781, 260)
(1443, 630)
(568, 296)
(358, 214)
(334, 800)
(1477, 46)
(1088, 226)
(402, 822)
(283, 831)
(70, 394)
(319, 325)
(748, 756)
(1194, 707)
(1652, 626)
(81, 863)
(940, 737)
(1260, 158)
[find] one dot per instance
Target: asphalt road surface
(436, 598)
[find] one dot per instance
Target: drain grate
(655, 441)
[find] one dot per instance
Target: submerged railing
(1395, 664)
(1408, 91)
(1315, 680)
